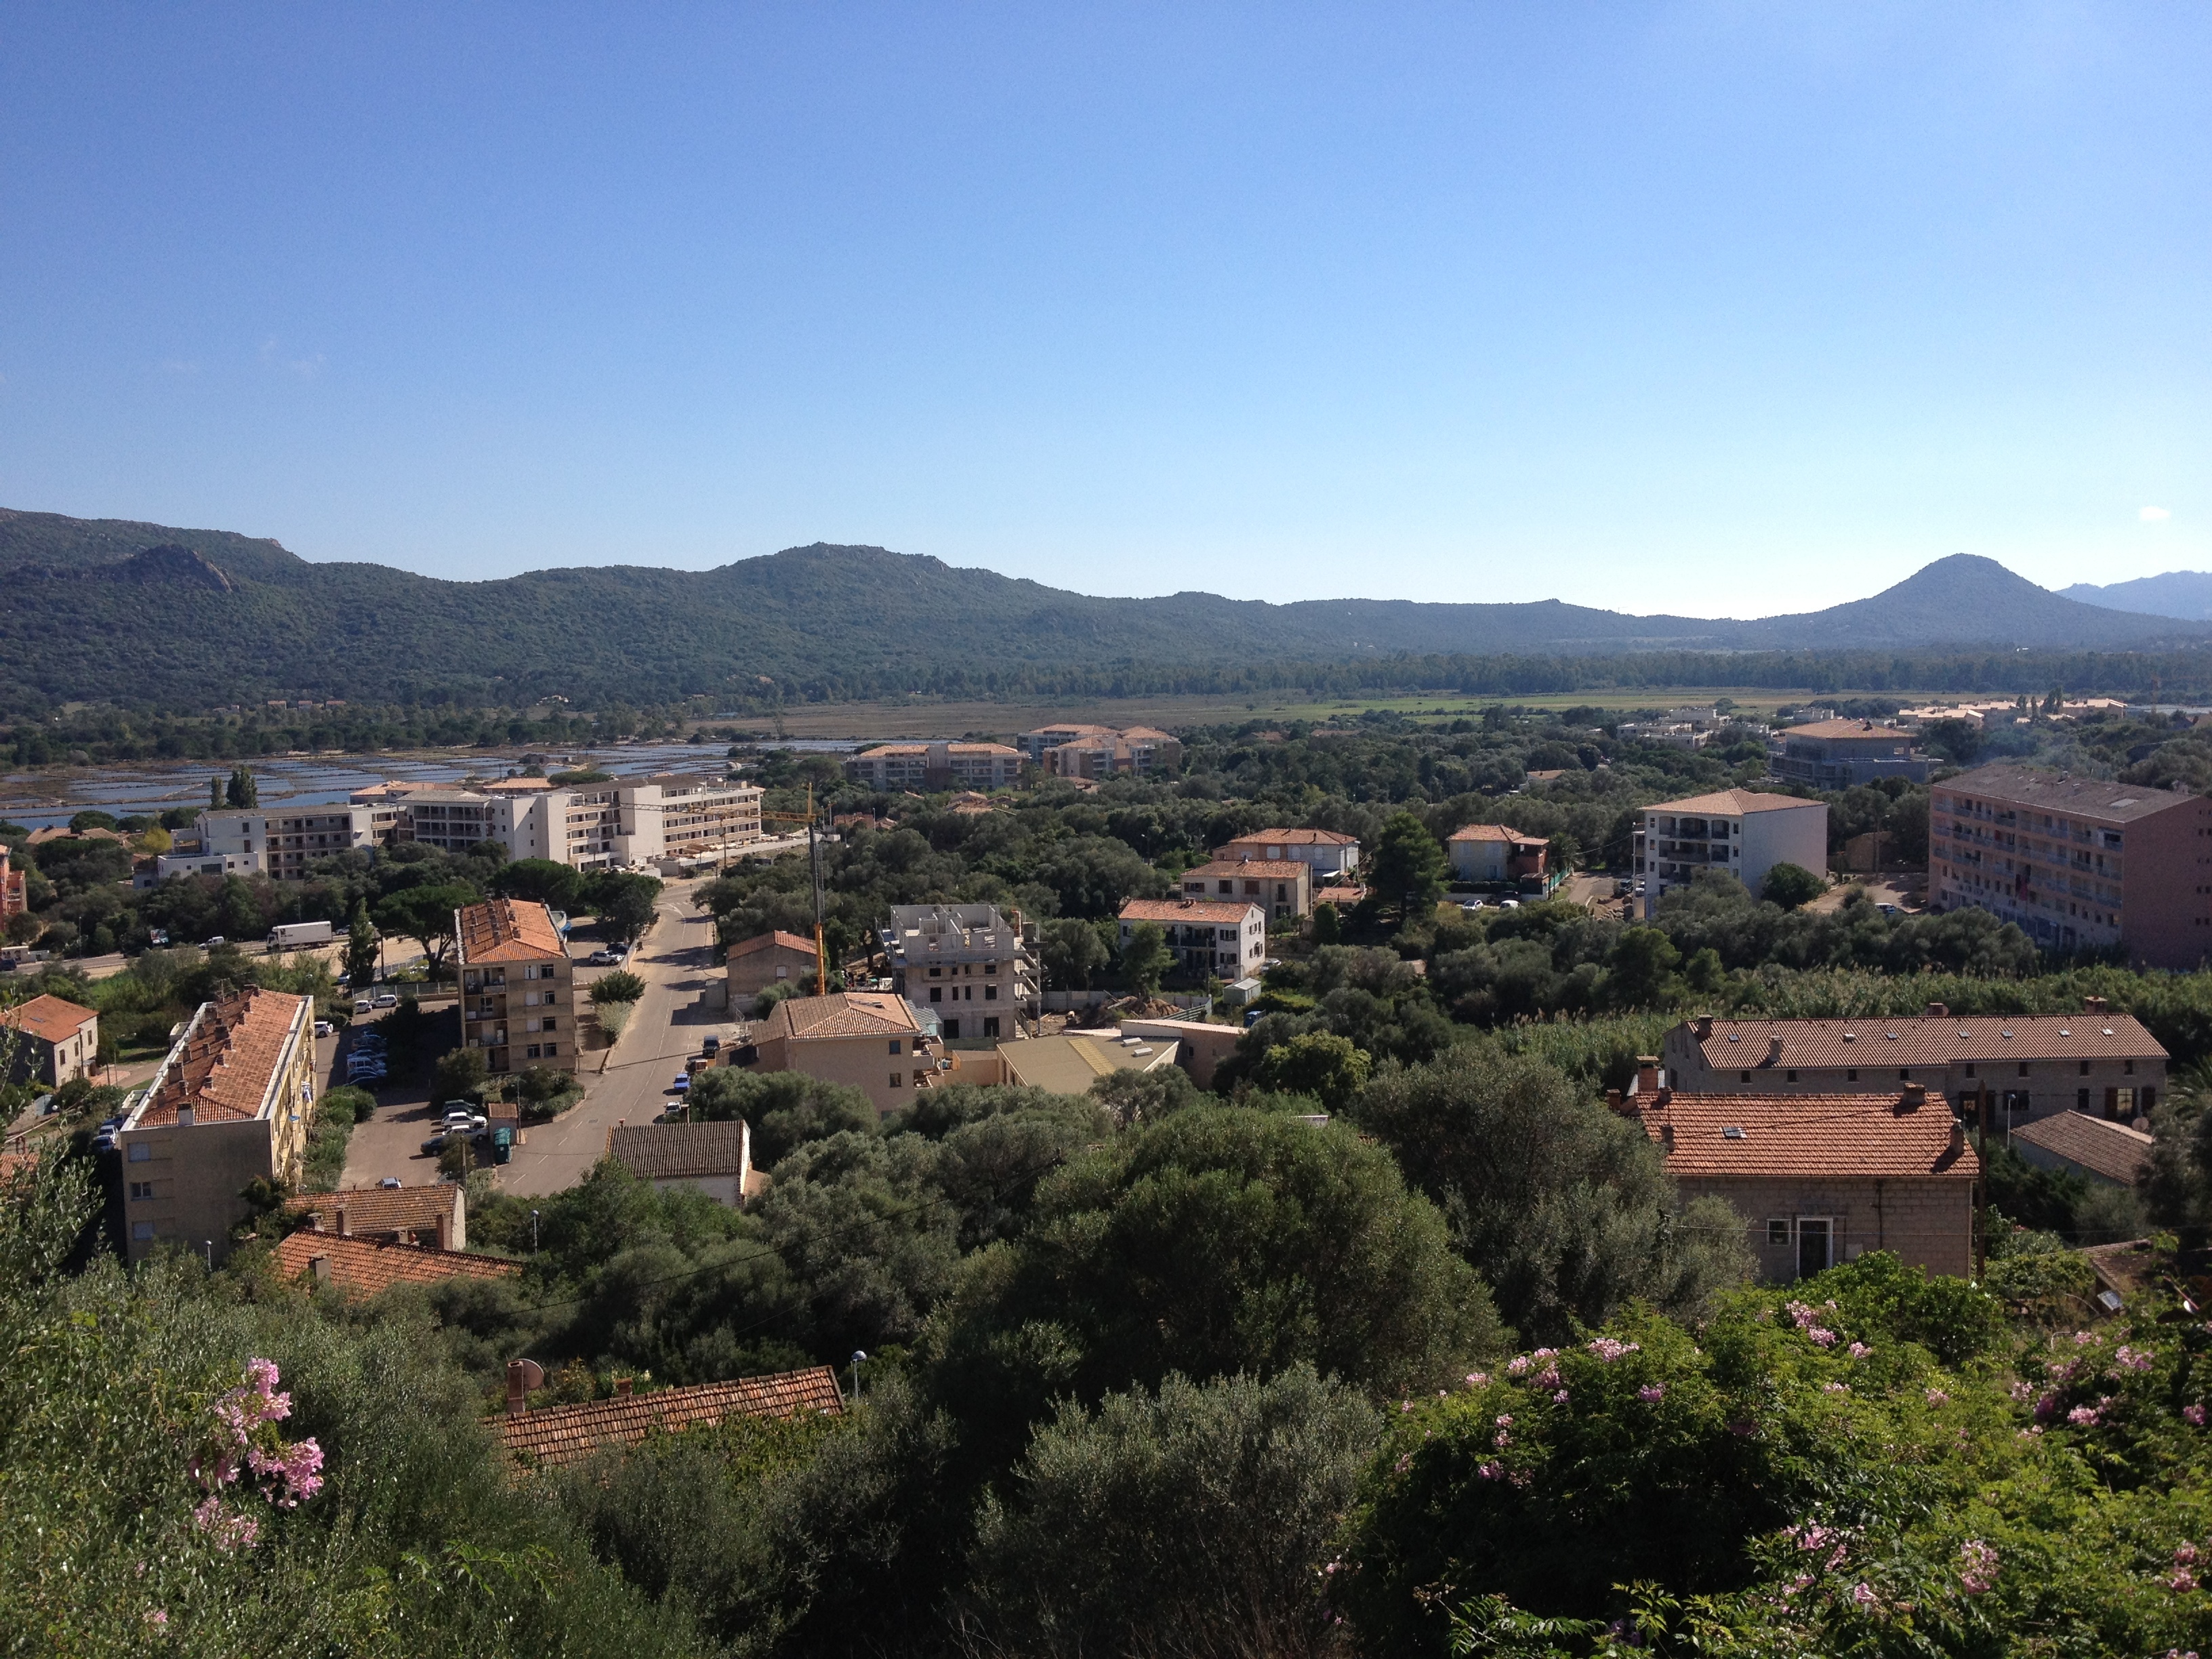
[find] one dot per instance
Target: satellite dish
(527, 1372)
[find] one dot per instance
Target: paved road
(677, 964)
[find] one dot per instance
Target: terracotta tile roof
(567, 1434)
(1848, 729)
(1733, 803)
(1340, 893)
(2112, 1150)
(2050, 792)
(679, 1151)
(517, 786)
(1222, 912)
(968, 748)
(1923, 1040)
(507, 930)
(1497, 832)
(369, 1267)
(1832, 1135)
(1296, 838)
(842, 1014)
(1264, 869)
(222, 1064)
(1144, 734)
(49, 1018)
(746, 947)
(370, 1210)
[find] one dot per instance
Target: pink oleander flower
(1938, 1397)
(1811, 1535)
(158, 1618)
(2084, 1417)
(1505, 1420)
(1863, 1594)
(1859, 1351)
(2135, 1359)
(1823, 1339)
(1835, 1387)
(1492, 1471)
(1478, 1379)
(1609, 1348)
(1405, 1404)
(1978, 1568)
(1403, 1463)
(2193, 1415)
(2184, 1555)
(2183, 1579)
(1501, 1440)
(1516, 1365)
(1652, 1393)
(1561, 1398)
(2023, 1392)
(2047, 1406)
(2083, 1339)
(2030, 1433)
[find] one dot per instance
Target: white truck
(298, 935)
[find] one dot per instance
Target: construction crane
(811, 820)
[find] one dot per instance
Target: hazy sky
(1714, 309)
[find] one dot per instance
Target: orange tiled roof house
(60, 1041)
(553, 1435)
(1822, 1179)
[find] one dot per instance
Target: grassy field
(918, 719)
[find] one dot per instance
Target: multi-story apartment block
(623, 821)
(12, 900)
(517, 985)
(870, 1040)
(1330, 856)
(2028, 1066)
(1834, 755)
(2076, 863)
(1282, 888)
(1739, 831)
(231, 1102)
(1099, 751)
(935, 766)
(968, 963)
(1210, 938)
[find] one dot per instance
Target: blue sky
(1713, 309)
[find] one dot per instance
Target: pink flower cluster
(2193, 1415)
(1611, 1348)
(1652, 1393)
(1978, 1567)
(246, 1441)
(2183, 1577)
(1807, 1320)
(2135, 1359)
(1859, 1351)
(1938, 1397)
(1813, 1538)
(2088, 1416)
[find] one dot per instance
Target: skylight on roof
(1734, 1131)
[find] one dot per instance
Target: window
(991, 1026)
(2081, 1095)
(1970, 1069)
(2023, 1068)
(2127, 1068)
(936, 992)
(141, 1189)
(990, 994)
(1777, 1230)
(1851, 1075)
(1793, 1077)
(895, 1045)
(1904, 1075)
(531, 1053)
(896, 1079)
(142, 1230)
(937, 973)
(140, 1152)
(1746, 1076)
(989, 969)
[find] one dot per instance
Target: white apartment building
(621, 822)
(1223, 939)
(1739, 830)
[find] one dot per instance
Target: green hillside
(194, 618)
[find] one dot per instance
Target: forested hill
(194, 618)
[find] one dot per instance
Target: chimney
(1938, 1010)
(445, 1232)
(320, 1267)
(621, 1388)
(1957, 1135)
(2095, 1006)
(1703, 1025)
(1773, 1050)
(1915, 1096)
(1647, 1074)
(1665, 1095)
(522, 1376)
(1666, 1137)
(345, 1223)
(1617, 1102)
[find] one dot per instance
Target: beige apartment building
(768, 959)
(936, 767)
(1282, 888)
(867, 1039)
(1219, 938)
(1331, 857)
(231, 1103)
(2029, 1066)
(517, 985)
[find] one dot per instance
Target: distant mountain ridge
(113, 608)
(2183, 593)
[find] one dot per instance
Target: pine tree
(214, 795)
